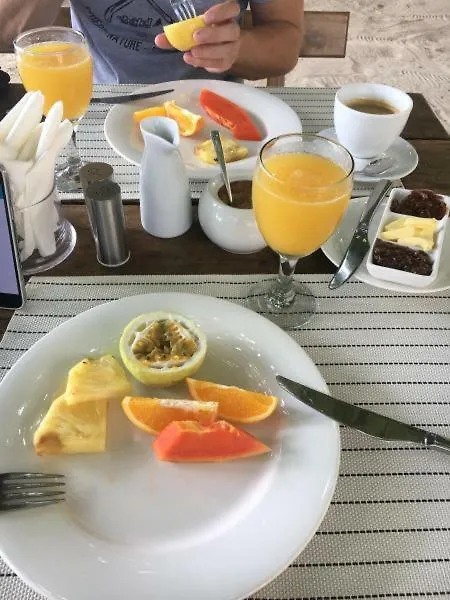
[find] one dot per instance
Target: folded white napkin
(28, 150)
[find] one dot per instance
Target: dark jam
(420, 203)
(402, 258)
(241, 192)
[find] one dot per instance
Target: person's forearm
(268, 50)
(19, 15)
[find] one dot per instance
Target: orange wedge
(153, 111)
(189, 123)
(154, 414)
(235, 404)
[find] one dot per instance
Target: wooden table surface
(194, 253)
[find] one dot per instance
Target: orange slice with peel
(189, 123)
(152, 111)
(154, 414)
(181, 34)
(235, 404)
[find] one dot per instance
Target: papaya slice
(229, 115)
(190, 441)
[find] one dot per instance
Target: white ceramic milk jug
(166, 210)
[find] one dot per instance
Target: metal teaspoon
(215, 137)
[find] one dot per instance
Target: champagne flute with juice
(56, 61)
(301, 188)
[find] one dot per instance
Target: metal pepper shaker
(105, 210)
(95, 171)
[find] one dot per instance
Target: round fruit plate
(136, 527)
(272, 116)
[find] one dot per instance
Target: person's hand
(218, 43)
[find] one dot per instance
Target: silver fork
(30, 490)
(183, 9)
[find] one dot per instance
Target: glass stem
(283, 293)
(71, 151)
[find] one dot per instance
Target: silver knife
(364, 420)
(129, 97)
(359, 244)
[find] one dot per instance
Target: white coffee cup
(368, 135)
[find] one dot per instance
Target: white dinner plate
(273, 117)
(404, 153)
(137, 528)
(334, 249)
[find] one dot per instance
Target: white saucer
(336, 246)
(404, 153)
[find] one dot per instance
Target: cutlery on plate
(359, 244)
(380, 165)
(129, 97)
(363, 420)
(215, 137)
(30, 490)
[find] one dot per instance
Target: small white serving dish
(404, 277)
(233, 229)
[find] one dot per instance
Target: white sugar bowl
(233, 229)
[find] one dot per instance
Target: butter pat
(393, 235)
(411, 231)
(417, 242)
(418, 222)
(232, 151)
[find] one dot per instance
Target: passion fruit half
(162, 348)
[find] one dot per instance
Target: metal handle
(129, 97)
(438, 442)
(374, 200)
(215, 136)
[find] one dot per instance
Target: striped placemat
(387, 532)
(313, 105)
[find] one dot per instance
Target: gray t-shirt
(121, 37)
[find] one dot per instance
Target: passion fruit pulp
(162, 348)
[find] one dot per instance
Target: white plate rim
(320, 384)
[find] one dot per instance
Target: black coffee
(371, 106)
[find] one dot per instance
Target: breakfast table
(386, 534)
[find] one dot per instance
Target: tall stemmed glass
(56, 61)
(301, 188)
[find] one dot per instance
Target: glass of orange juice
(56, 61)
(301, 188)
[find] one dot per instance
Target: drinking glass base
(65, 239)
(293, 312)
(68, 177)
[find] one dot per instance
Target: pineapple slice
(95, 379)
(65, 429)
